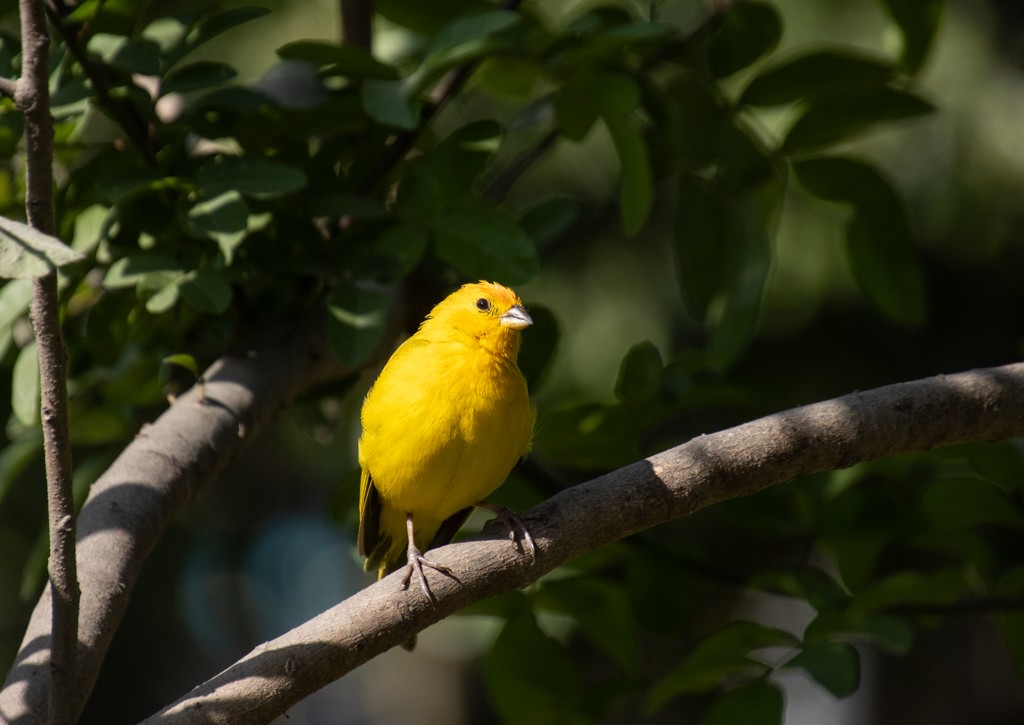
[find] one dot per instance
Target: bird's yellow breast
(442, 427)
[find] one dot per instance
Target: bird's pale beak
(516, 318)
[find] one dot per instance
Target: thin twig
(8, 87)
(33, 99)
(449, 86)
(501, 184)
(135, 127)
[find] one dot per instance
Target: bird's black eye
(483, 305)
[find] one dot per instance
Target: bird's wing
(369, 515)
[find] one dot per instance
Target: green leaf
(701, 243)
(639, 373)
(755, 703)
(530, 677)
(752, 220)
(345, 60)
(962, 503)
(15, 458)
(130, 271)
(90, 227)
(356, 321)
(1000, 462)
(833, 665)
(183, 360)
(549, 221)
(12, 128)
(26, 252)
(25, 386)
(166, 297)
(484, 243)
(817, 74)
(224, 219)
(910, 588)
(587, 436)
(213, 26)
(748, 31)
(636, 194)
(194, 76)
(91, 426)
(539, 346)
(829, 121)
(600, 609)
(575, 111)
(883, 260)
(206, 290)
(168, 33)
(880, 242)
(249, 175)
(722, 655)
(887, 633)
(126, 54)
(405, 243)
(918, 21)
(391, 102)
(15, 298)
(810, 583)
(460, 41)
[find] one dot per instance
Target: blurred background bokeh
(271, 543)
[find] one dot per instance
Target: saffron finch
(443, 425)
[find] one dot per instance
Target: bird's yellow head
(486, 311)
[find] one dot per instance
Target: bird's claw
(518, 534)
(415, 564)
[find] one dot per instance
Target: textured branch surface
(979, 405)
(32, 97)
(136, 498)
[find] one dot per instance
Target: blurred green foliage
(780, 259)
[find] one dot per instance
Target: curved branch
(132, 503)
(979, 405)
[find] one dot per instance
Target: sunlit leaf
(183, 360)
(918, 21)
(26, 252)
(25, 386)
(356, 321)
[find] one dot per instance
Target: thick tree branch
(32, 96)
(8, 87)
(979, 405)
(129, 507)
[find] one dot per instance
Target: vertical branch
(357, 23)
(32, 97)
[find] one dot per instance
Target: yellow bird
(443, 425)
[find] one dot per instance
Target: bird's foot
(415, 565)
(518, 534)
